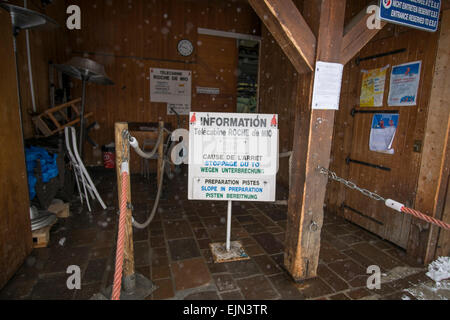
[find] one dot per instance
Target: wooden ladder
(43, 120)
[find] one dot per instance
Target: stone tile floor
(174, 252)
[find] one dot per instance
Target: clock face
(185, 48)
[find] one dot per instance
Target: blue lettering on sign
(421, 14)
(209, 189)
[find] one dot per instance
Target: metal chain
(349, 184)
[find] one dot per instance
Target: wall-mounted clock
(185, 48)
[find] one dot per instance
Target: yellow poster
(372, 88)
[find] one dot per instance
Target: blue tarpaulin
(49, 168)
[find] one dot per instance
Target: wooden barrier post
(326, 41)
(128, 263)
(160, 153)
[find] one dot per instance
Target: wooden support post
(128, 263)
(431, 186)
(160, 152)
(317, 35)
(312, 147)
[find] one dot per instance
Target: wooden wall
(434, 169)
(279, 90)
(283, 91)
(45, 45)
(442, 87)
(15, 228)
(351, 137)
(130, 37)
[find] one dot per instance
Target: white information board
(171, 86)
(233, 157)
(327, 86)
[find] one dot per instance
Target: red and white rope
(121, 235)
(426, 218)
(397, 206)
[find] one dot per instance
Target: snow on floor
(430, 291)
(440, 269)
(439, 288)
(399, 273)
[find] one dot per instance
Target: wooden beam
(312, 147)
(439, 240)
(290, 30)
(357, 35)
(445, 5)
(16, 241)
(128, 254)
(422, 240)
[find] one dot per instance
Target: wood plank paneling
(351, 136)
(278, 91)
(45, 45)
(15, 227)
(433, 169)
(130, 37)
(439, 240)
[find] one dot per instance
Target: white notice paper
(171, 86)
(327, 86)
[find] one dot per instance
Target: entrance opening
(248, 66)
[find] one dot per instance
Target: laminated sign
(173, 87)
(233, 157)
(420, 14)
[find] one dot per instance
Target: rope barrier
(428, 219)
(121, 235)
(397, 206)
(155, 205)
(135, 145)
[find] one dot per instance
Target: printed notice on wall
(171, 86)
(327, 86)
(372, 88)
(178, 109)
(405, 81)
(382, 134)
(233, 157)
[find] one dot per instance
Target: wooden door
(15, 228)
(217, 61)
(400, 181)
(392, 179)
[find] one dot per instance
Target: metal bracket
(376, 166)
(344, 206)
(355, 111)
(359, 60)
(135, 287)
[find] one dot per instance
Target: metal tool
(41, 219)
(85, 70)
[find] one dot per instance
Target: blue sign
(420, 14)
